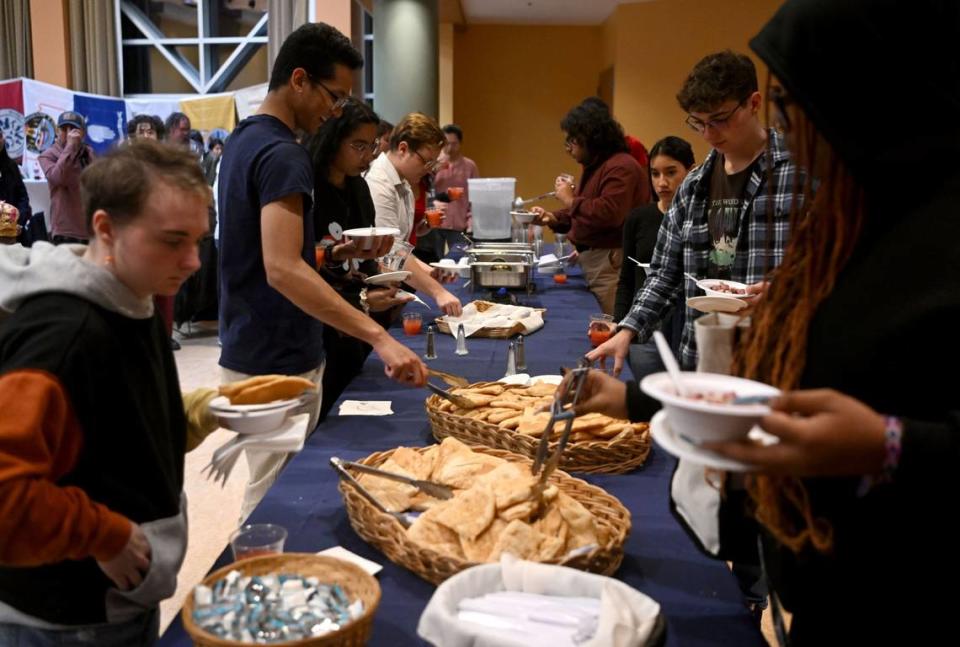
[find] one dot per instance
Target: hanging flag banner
(42, 104)
(249, 100)
(157, 107)
(106, 120)
(11, 117)
(210, 112)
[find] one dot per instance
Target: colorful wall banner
(11, 117)
(210, 112)
(106, 120)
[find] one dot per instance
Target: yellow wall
(513, 86)
(49, 26)
(445, 76)
(656, 45)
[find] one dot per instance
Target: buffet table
(698, 595)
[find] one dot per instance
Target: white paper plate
(681, 448)
(221, 404)
(369, 232)
(707, 285)
(387, 277)
(547, 379)
(717, 304)
(517, 378)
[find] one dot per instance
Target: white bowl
(698, 421)
(368, 238)
(709, 286)
(252, 418)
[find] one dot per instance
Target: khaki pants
(265, 466)
(602, 269)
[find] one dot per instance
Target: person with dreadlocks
(854, 501)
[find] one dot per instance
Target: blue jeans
(142, 630)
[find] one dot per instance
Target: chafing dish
(502, 265)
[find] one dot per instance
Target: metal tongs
(457, 400)
(431, 488)
(561, 409)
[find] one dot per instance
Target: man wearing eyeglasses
(415, 144)
(272, 300)
(729, 218)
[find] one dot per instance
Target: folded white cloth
(498, 316)
(627, 617)
(366, 408)
(288, 438)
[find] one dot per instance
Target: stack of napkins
(498, 316)
(583, 609)
(366, 408)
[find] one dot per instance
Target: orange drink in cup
(601, 329)
(412, 323)
(320, 254)
(455, 192)
(560, 278)
(434, 217)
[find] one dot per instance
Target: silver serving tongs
(562, 408)
(434, 489)
(458, 400)
(402, 517)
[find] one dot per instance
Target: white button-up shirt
(392, 196)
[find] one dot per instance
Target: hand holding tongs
(562, 408)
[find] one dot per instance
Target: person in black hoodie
(855, 500)
(93, 428)
(341, 150)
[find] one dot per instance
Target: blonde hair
(417, 129)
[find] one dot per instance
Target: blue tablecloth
(698, 595)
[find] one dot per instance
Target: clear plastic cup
(253, 540)
(397, 258)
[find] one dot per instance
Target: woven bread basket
(356, 583)
(386, 533)
(492, 333)
(614, 456)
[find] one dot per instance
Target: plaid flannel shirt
(683, 241)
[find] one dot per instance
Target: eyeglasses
(427, 165)
(719, 121)
(338, 102)
(363, 147)
(781, 100)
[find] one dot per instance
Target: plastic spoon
(666, 355)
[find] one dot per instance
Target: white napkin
(627, 617)
(366, 408)
(340, 552)
(498, 316)
(288, 438)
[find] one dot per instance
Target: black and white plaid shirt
(684, 242)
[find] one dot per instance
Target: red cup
(412, 323)
(560, 278)
(434, 217)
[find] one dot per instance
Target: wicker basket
(386, 533)
(492, 333)
(616, 456)
(356, 583)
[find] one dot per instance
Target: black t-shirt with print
(726, 205)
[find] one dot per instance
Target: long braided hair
(825, 226)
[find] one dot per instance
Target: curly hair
(324, 145)
(717, 78)
(591, 125)
(154, 122)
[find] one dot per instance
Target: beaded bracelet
(892, 447)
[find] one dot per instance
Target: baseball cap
(71, 118)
